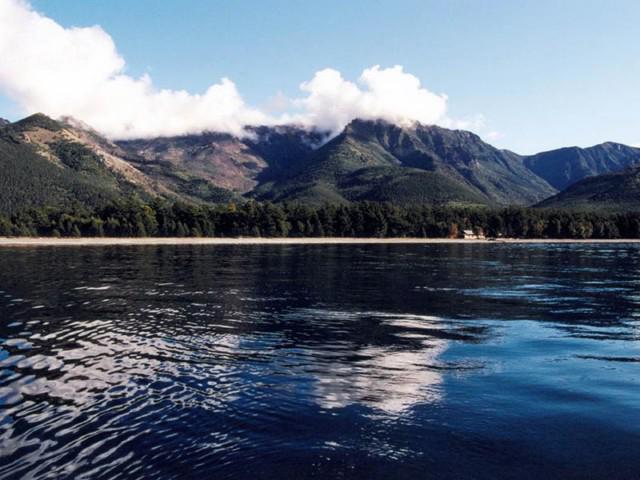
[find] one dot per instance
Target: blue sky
(541, 74)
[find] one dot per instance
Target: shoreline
(115, 241)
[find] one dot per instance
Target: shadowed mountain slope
(566, 166)
(610, 191)
(459, 162)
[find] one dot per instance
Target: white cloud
(390, 94)
(278, 103)
(493, 135)
(473, 122)
(78, 72)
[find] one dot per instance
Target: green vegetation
(29, 180)
(37, 120)
(403, 186)
(608, 192)
(134, 218)
(79, 158)
(353, 165)
(370, 161)
(204, 190)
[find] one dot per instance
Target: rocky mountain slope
(218, 167)
(46, 162)
(566, 166)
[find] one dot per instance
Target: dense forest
(136, 218)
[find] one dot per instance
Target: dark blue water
(292, 362)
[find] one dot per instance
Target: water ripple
(338, 362)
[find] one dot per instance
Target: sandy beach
(113, 241)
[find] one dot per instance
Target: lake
(309, 361)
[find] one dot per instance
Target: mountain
(4, 122)
(612, 191)
(376, 160)
(64, 163)
(217, 167)
(566, 166)
(46, 162)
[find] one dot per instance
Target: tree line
(161, 218)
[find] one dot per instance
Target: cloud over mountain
(390, 94)
(79, 72)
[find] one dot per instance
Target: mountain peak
(364, 127)
(363, 123)
(39, 120)
(614, 146)
(565, 166)
(77, 124)
(381, 123)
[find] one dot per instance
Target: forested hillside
(415, 164)
(609, 192)
(66, 174)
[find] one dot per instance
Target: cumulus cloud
(78, 72)
(389, 94)
(493, 135)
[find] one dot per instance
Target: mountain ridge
(369, 160)
(565, 166)
(494, 176)
(614, 191)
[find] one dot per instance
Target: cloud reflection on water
(389, 377)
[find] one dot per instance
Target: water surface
(338, 361)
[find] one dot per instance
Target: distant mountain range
(612, 191)
(566, 166)
(65, 163)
